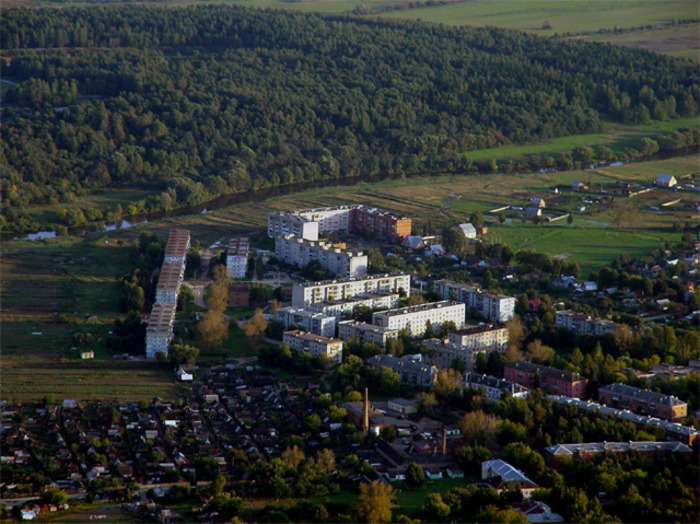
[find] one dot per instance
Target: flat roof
(421, 307)
(238, 246)
(170, 273)
(161, 319)
(178, 243)
(355, 298)
(473, 330)
(353, 279)
(311, 337)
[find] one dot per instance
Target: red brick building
(643, 401)
(238, 294)
(389, 226)
(550, 380)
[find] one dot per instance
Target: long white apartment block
(365, 333)
(159, 332)
(492, 306)
(304, 295)
(314, 345)
(415, 318)
(297, 251)
(169, 282)
(337, 308)
(582, 324)
(492, 337)
(237, 257)
(178, 245)
(311, 321)
(309, 223)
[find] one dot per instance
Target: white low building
(365, 333)
(299, 252)
(303, 295)
(340, 308)
(491, 306)
(159, 332)
(314, 345)
(493, 387)
(237, 257)
(311, 321)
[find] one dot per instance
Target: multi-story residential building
(238, 294)
(313, 322)
(314, 345)
(303, 295)
(365, 333)
(299, 252)
(500, 475)
(550, 380)
(674, 431)
(159, 332)
(309, 223)
(495, 388)
(169, 281)
(591, 450)
(339, 308)
(445, 354)
(415, 319)
(413, 372)
(493, 337)
(237, 257)
(492, 306)
(177, 246)
(582, 324)
(659, 405)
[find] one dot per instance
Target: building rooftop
(178, 243)
(238, 246)
(617, 447)
(419, 308)
(170, 275)
(351, 279)
(475, 379)
(161, 319)
(473, 330)
(355, 298)
(363, 326)
(545, 371)
(296, 333)
(644, 395)
(404, 364)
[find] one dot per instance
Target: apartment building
(169, 282)
(550, 380)
(491, 337)
(338, 308)
(297, 251)
(178, 245)
(237, 257)
(500, 475)
(445, 354)
(638, 400)
(415, 318)
(313, 322)
(413, 372)
(314, 345)
(592, 450)
(365, 333)
(494, 388)
(491, 306)
(311, 223)
(159, 332)
(582, 324)
(303, 295)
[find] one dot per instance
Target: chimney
(365, 419)
(444, 441)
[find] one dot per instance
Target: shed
(664, 180)
(468, 230)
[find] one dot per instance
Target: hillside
(191, 102)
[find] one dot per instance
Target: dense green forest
(193, 102)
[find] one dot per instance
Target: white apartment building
(365, 333)
(237, 257)
(159, 332)
(304, 295)
(415, 318)
(494, 387)
(299, 252)
(337, 308)
(309, 223)
(169, 282)
(311, 321)
(492, 306)
(314, 345)
(178, 245)
(488, 337)
(582, 324)
(446, 354)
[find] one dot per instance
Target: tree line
(194, 102)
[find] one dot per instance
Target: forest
(194, 102)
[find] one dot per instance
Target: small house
(85, 355)
(664, 180)
(577, 185)
(468, 230)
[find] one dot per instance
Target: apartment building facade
(159, 332)
(550, 380)
(310, 223)
(339, 308)
(297, 251)
(178, 245)
(582, 324)
(237, 257)
(365, 333)
(643, 401)
(311, 321)
(413, 372)
(492, 337)
(494, 388)
(491, 306)
(314, 345)
(304, 295)
(169, 282)
(416, 318)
